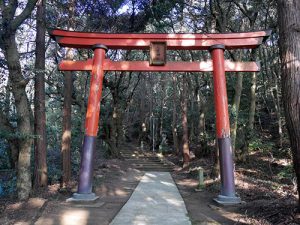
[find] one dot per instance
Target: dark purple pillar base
(227, 195)
(86, 166)
(83, 197)
(225, 200)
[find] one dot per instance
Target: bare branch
(24, 15)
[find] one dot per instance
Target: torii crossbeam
(215, 43)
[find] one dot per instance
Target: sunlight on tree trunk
(276, 100)
(235, 111)
(114, 130)
(66, 132)
(252, 101)
(143, 127)
(185, 135)
(67, 108)
(174, 116)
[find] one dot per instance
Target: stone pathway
(156, 200)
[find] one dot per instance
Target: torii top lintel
(75, 39)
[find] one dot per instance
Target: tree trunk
(40, 144)
(289, 42)
(66, 132)
(174, 118)
(276, 100)
(8, 27)
(235, 110)
(162, 103)
(152, 115)
(143, 133)
(252, 102)
(202, 137)
(200, 131)
(114, 131)
(252, 97)
(185, 136)
(250, 126)
(67, 109)
(18, 84)
(202, 124)
(192, 121)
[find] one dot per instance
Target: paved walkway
(155, 201)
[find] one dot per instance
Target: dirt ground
(267, 199)
(114, 181)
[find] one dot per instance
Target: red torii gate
(215, 43)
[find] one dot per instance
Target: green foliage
(258, 144)
(16, 135)
(104, 149)
(75, 158)
(287, 172)
(54, 165)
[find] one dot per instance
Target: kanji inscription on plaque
(158, 53)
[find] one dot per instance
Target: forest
(43, 109)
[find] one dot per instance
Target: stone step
(137, 154)
(131, 155)
(143, 160)
(142, 157)
(146, 161)
(156, 169)
(149, 163)
(152, 167)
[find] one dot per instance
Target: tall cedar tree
(67, 109)
(185, 135)
(289, 43)
(40, 143)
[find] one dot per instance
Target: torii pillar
(84, 191)
(227, 195)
